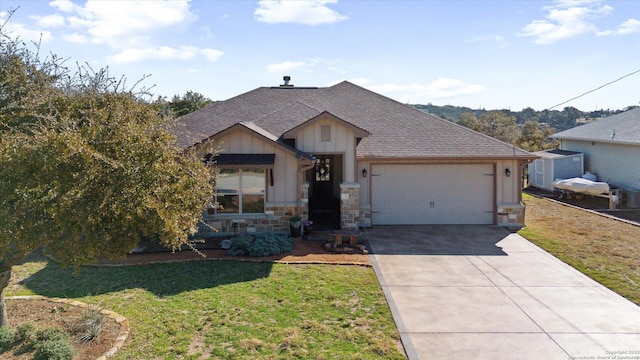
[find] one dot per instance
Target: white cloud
(14, 29)
(314, 12)
(630, 26)
(285, 66)
(212, 54)
(76, 38)
(64, 5)
(566, 19)
(438, 89)
(121, 23)
(165, 53)
(49, 21)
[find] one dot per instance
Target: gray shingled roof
(396, 130)
(623, 128)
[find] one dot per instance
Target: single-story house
(611, 148)
(345, 157)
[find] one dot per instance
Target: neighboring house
(611, 148)
(346, 157)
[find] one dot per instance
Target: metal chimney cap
(286, 79)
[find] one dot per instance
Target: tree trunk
(5, 275)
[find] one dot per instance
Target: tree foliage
(535, 137)
(189, 102)
(87, 166)
(493, 123)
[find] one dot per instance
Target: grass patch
(228, 309)
(606, 250)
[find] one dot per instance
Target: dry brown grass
(605, 249)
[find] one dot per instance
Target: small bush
(46, 334)
(25, 332)
(240, 245)
(55, 349)
(7, 338)
(52, 344)
(266, 244)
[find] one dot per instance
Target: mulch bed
(46, 313)
(308, 252)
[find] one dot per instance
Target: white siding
(285, 168)
(618, 165)
(342, 142)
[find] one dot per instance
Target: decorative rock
(225, 244)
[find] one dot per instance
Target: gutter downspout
(300, 171)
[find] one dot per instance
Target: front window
(240, 191)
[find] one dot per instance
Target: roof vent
(286, 79)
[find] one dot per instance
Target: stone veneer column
(304, 200)
(510, 214)
(349, 206)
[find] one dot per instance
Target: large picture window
(240, 191)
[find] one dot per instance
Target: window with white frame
(240, 191)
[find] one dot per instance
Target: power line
(598, 88)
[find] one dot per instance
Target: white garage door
(403, 194)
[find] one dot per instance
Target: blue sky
(481, 54)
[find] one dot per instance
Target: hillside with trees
(528, 129)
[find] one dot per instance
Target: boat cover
(583, 186)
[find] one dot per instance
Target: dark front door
(324, 192)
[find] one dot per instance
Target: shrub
(240, 245)
(7, 338)
(266, 244)
(52, 344)
(25, 332)
(46, 334)
(56, 349)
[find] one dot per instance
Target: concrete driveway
(480, 292)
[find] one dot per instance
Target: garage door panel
(432, 194)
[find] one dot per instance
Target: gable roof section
(261, 133)
(623, 128)
(395, 130)
(359, 132)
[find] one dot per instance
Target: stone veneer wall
(365, 215)
(349, 206)
(275, 218)
(510, 215)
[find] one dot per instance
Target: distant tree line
(528, 129)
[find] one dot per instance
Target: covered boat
(583, 186)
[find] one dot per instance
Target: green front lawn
(229, 309)
(604, 249)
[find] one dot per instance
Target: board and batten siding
(308, 139)
(616, 164)
(285, 167)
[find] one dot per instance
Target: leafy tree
(535, 137)
(501, 126)
(496, 124)
(526, 114)
(188, 103)
(87, 166)
(472, 122)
